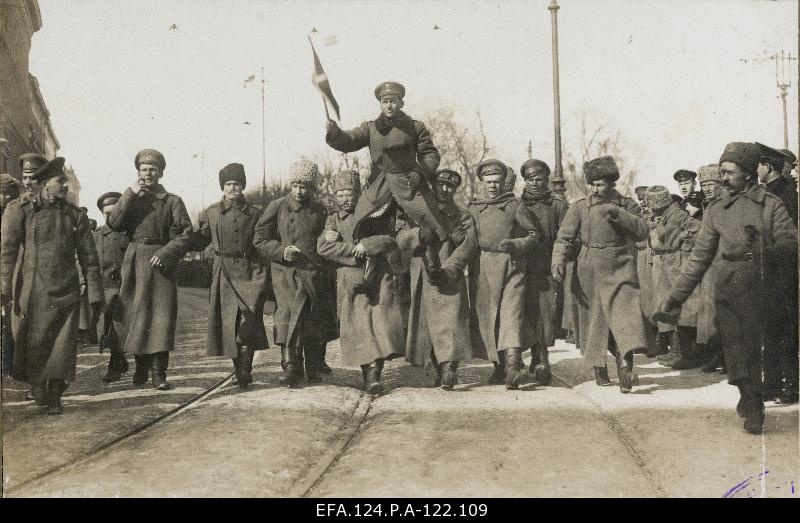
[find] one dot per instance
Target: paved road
(676, 435)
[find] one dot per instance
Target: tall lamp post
(558, 176)
(783, 81)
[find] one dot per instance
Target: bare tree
(596, 138)
(462, 147)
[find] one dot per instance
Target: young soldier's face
(601, 188)
(734, 178)
(232, 190)
(390, 105)
(31, 185)
(444, 192)
(56, 187)
(686, 187)
(494, 184)
(538, 180)
(149, 174)
(107, 211)
(710, 189)
(347, 199)
(300, 191)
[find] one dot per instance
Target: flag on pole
(320, 79)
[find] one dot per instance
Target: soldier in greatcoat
(10, 190)
(160, 233)
(404, 163)
(644, 272)
(286, 235)
(780, 343)
(754, 237)
(438, 323)
(30, 164)
(111, 248)
(239, 277)
(507, 235)
(673, 240)
(691, 198)
(543, 291)
(372, 324)
(711, 184)
(610, 313)
(45, 322)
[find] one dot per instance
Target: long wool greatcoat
(111, 247)
(239, 278)
(369, 329)
(302, 287)
(606, 269)
(706, 300)
(497, 279)
(158, 224)
(644, 272)
(752, 239)
(675, 231)
(542, 289)
(397, 148)
(45, 320)
(439, 319)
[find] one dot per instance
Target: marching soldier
(673, 240)
(610, 313)
(506, 236)
(372, 324)
(780, 335)
(691, 197)
(111, 247)
(9, 191)
(549, 210)
(286, 234)
(160, 233)
(404, 161)
(438, 324)
(751, 232)
(46, 307)
(239, 278)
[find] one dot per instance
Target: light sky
(668, 74)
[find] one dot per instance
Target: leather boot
(541, 370)
(322, 367)
(245, 367)
(513, 366)
(689, 352)
(374, 378)
(601, 376)
(237, 373)
(290, 376)
(716, 362)
(364, 369)
(117, 364)
(499, 374)
(662, 346)
(753, 408)
(142, 368)
(312, 357)
(54, 390)
(449, 373)
(625, 371)
(437, 381)
(158, 371)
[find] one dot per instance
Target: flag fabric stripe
(320, 80)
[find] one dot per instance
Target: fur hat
(745, 155)
(304, 171)
(150, 156)
(233, 172)
(658, 197)
(491, 167)
(709, 173)
(347, 180)
(603, 168)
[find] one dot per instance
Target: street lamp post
(557, 171)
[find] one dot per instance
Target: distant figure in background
(111, 247)
(161, 234)
(239, 278)
(691, 197)
(46, 307)
(10, 190)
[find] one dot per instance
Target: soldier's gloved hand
(557, 271)
(331, 236)
(291, 253)
(507, 246)
(5, 299)
(668, 311)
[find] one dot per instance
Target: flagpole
(263, 140)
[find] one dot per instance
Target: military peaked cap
(532, 166)
(150, 156)
(30, 162)
(449, 177)
(51, 169)
(390, 88)
(106, 199)
(491, 167)
(683, 175)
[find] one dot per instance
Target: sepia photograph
(416, 257)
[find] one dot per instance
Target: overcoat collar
(402, 121)
(613, 197)
(225, 205)
(755, 193)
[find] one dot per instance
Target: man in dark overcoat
(111, 248)
(239, 277)
(10, 190)
(160, 233)
(286, 235)
(751, 232)
(45, 322)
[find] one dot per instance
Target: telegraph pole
(557, 171)
(783, 82)
(263, 140)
